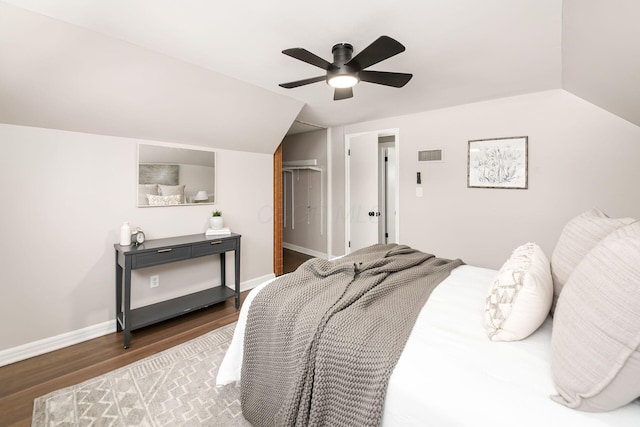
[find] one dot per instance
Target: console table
(163, 251)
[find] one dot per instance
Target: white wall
(580, 156)
(66, 195)
(336, 214)
(196, 178)
(309, 230)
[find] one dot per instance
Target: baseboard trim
(46, 345)
(36, 348)
(252, 283)
(305, 251)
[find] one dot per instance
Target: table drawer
(161, 256)
(215, 246)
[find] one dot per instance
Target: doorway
(301, 198)
(371, 161)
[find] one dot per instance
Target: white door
(363, 190)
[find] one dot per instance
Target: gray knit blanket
(321, 342)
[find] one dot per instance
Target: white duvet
(450, 374)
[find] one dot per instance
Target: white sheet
(450, 374)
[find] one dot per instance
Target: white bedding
(450, 374)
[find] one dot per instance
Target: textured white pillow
(154, 200)
(578, 237)
(595, 344)
(520, 297)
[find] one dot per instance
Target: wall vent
(430, 155)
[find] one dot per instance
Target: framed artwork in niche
(498, 163)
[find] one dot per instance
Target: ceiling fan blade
(382, 48)
(385, 78)
(342, 93)
(308, 57)
(297, 83)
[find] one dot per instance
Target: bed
(451, 374)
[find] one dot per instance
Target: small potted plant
(216, 221)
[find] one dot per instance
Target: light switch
(418, 191)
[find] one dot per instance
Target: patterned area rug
(173, 388)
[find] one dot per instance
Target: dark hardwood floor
(292, 260)
(22, 382)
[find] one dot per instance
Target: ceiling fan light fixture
(343, 81)
(347, 70)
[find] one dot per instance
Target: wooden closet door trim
(277, 212)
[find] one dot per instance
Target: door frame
(278, 213)
(395, 132)
(278, 267)
(384, 150)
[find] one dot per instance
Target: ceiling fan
(345, 72)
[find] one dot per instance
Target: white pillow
(143, 190)
(595, 344)
(578, 237)
(171, 190)
(520, 297)
(154, 200)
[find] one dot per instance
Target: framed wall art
(498, 163)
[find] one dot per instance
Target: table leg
(223, 269)
(236, 257)
(118, 294)
(127, 302)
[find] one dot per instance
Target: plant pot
(216, 222)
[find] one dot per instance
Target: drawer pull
(164, 250)
(217, 242)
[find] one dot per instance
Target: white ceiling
(459, 51)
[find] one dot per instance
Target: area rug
(176, 387)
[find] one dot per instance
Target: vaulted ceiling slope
(59, 76)
(198, 71)
(601, 54)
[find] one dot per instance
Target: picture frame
(498, 163)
